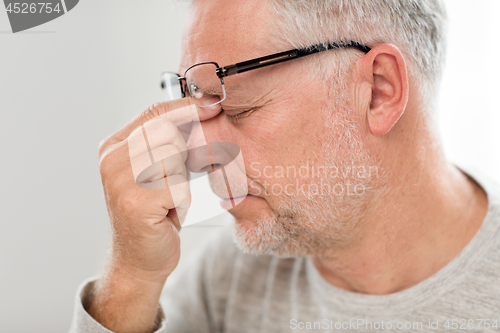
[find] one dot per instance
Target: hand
(147, 196)
(144, 222)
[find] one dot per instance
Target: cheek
(286, 135)
(287, 146)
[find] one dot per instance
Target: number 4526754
(32, 8)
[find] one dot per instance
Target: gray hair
(416, 27)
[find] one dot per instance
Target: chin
(250, 241)
(261, 234)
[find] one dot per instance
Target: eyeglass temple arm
(285, 56)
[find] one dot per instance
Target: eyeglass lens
(204, 85)
(171, 86)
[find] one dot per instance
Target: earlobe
(384, 69)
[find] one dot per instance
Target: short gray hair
(416, 27)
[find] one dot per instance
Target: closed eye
(239, 115)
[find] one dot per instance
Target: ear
(382, 87)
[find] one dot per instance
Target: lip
(232, 202)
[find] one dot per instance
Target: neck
(428, 213)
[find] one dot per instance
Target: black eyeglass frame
(269, 60)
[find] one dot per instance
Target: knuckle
(151, 112)
(101, 147)
(103, 165)
(104, 145)
(106, 164)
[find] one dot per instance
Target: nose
(198, 155)
(210, 149)
(200, 158)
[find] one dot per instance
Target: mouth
(229, 203)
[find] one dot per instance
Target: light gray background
(66, 85)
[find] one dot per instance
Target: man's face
(301, 143)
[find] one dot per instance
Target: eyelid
(239, 114)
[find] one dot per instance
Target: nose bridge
(203, 133)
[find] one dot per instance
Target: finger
(169, 163)
(137, 144)
(182, 217)
(186, 112)
(153, 134)
(158, 163)
(174, 218)
(169, 193)
(185, 130)
(182, 115)
(160, 132)
(181, 194)
(178, 196)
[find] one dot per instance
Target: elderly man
(379, 233)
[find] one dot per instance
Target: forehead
(226, 31)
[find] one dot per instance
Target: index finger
(180, 112)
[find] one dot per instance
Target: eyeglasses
(204, 81)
